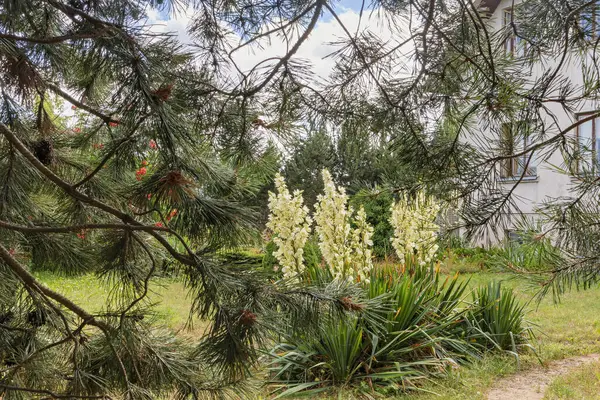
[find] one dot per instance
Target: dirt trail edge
(532, 384)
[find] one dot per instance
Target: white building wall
(549, 183)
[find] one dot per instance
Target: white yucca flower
(361, 245)
(332, 217)
(346, 251)
(290, 223)
(415, 230)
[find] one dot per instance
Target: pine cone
(164, 92)
(349, 305)
(37, 318)
(247, 318)
(6, 317)
(43, 151)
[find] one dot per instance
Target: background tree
(362, 160)
(308, 158)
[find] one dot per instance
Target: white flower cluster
(290, 223)
(361, 246)
(346, 251)
(333, 227)
(415, 230)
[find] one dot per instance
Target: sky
(314, 50)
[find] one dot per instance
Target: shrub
(497, 319)
(410, 324)
(269, 261)
(470, 259)
(377, 207)
(407, 327)
(532, 252)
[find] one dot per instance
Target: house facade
(541, 181)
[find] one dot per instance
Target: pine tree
(159, 163)
(169, 144)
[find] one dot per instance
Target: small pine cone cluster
(349, 305)
(43, 151)
(247, 318)
(164, 92)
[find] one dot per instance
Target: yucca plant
(410, 324)
(341, 345)
(407, 328)
(316, 362)
(497, 319)
(346, 354)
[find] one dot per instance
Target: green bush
(469, 259)
(377, 207)
(532, 252)
(409, 324)
(407, 327)
(497, 319)
(269, 261)
(312, 253)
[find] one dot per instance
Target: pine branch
(106, 118)
(50, 393)
(68, 188)
(30, 281)
(55, 39)
(78, 228)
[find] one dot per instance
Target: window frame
(512, 237)
(512, 168)
(594, 13)
(513, 45)
(594, 160)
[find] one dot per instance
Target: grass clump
(581, 383)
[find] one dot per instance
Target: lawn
(566, 329)
(582, 383)
(168, 296)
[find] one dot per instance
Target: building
(540, 181)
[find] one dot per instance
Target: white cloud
(314, 51)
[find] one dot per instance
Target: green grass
(566, 329)
(581, 384)
(169, 297)
(569, 328)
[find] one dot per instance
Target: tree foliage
(170, 144)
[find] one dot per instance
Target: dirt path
(532, 384)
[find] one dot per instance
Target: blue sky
(341, 5)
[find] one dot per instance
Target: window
(588, 142)
(589, 21)
(513, 237)
(513, 45)
(515, 138)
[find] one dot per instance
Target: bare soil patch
(532, 384)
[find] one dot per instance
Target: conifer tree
(156, 165)
(169, 143)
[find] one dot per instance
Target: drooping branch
(77, 228)
(106, 118)
(30, 281)
(55, 39)
(71, 191)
